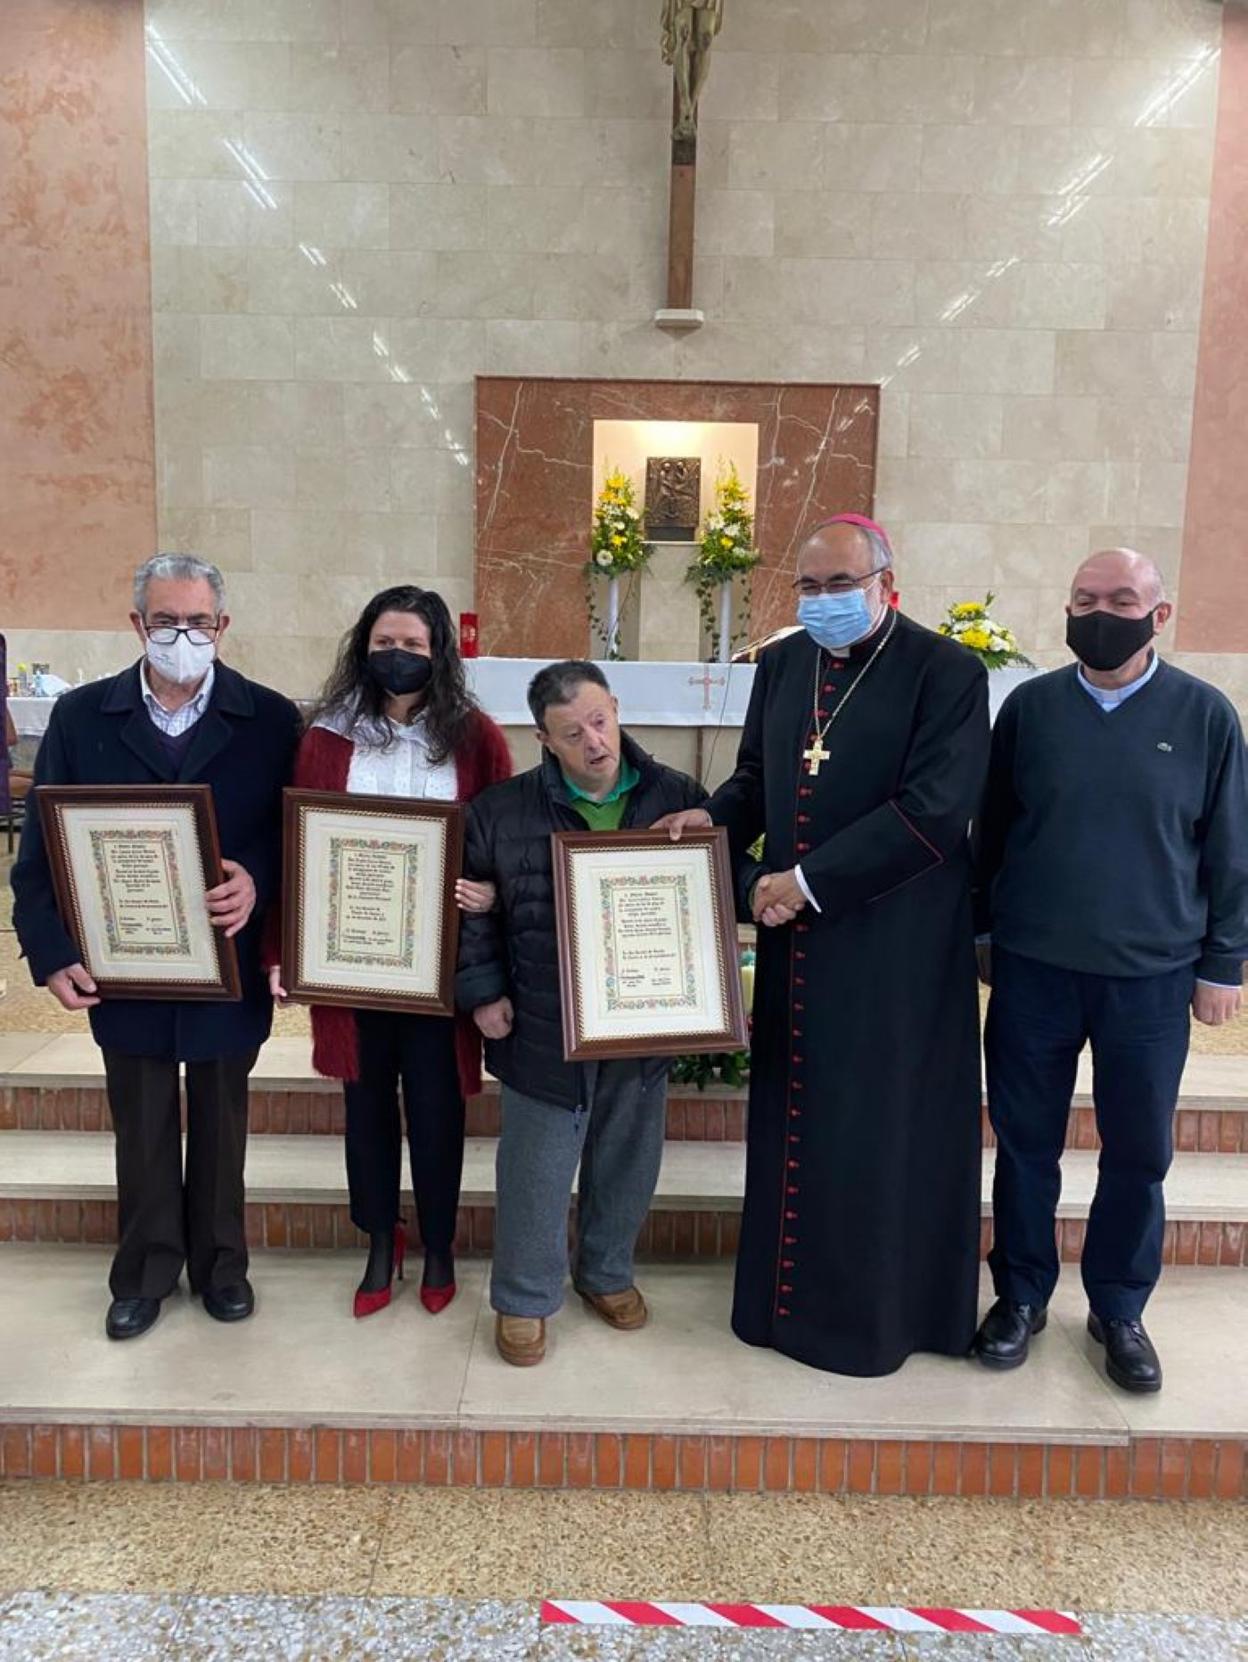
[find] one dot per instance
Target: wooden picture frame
(648, 953)
(130, 866)
(369, 919)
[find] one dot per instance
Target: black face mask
(1103, 641)
(400, 672)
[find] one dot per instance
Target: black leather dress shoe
(1005, 1333)
(128, 1317)
(1130, 1360)
(230, 1304)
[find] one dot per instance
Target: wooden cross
(682, 210)
(815, 756)
(689, 30)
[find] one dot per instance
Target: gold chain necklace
(815, 755)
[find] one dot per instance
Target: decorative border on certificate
(647, 944)
(131, 865)
(368, 916)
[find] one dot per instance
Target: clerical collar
(625, 783)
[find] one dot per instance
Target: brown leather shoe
(625, 1311)
(521, 1340)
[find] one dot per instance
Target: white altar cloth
(651, 694)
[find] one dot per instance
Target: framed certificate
(647, 944)
(369, 916)
(131, 865)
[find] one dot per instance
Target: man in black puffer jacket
(607, 1115)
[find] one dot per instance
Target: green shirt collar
(625, 783)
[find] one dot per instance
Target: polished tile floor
(136, 1571)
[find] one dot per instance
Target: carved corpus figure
(689, 29)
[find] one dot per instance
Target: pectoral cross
(815, 757)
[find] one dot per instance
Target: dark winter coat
(243, 746)
(512, 951)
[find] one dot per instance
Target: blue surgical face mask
(835, 621)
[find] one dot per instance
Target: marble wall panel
(76, 447)
(1214, 616)
(995, 212)
(535, 487)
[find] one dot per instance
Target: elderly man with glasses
(181, 716)
(863, 757)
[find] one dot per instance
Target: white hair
(182, 568)
(881, 553)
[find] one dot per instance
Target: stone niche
(804, 451)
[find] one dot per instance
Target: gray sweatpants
(618, 1139)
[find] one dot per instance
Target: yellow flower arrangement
(617, 546)
(727, 547)
(969, 622)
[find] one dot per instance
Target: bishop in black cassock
(860, 1236)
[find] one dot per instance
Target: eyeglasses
(198, 634)
(807, 587)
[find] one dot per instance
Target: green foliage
(728, 1067)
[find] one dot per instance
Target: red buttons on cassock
(791, 1216)
(803, 819)
(791, 1189)
(805, 790)
(786, 1263)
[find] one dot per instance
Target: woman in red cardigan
(396, 719)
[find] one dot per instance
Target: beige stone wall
(998, 210)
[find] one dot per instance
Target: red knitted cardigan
(322, 764)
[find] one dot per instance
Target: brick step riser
(689, 1119)
(1177, 1468)
(676, 1234)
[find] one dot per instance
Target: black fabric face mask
(1104, 641)
(400, 672)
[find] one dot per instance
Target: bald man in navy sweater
(1113, 877)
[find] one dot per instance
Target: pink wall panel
(77, 467)
(1214, 612)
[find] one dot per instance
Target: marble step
(56, 1083)
(59, 1186)
(682, 1404)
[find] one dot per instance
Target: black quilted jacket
(512, 949)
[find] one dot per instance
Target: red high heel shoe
(368, 1304)
(436, 1299)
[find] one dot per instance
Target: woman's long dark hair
(448, 706)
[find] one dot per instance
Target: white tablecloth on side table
(31, 716)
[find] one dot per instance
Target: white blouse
(401, 769)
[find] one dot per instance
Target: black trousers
(419, 1051)
(164, 1221)
(1139, 1029)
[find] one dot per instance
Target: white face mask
(181, 662)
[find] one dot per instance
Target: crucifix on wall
(689, 30)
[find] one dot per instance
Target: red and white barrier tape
(860, 1618)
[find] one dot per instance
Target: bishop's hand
(776, 899)
(688, 819)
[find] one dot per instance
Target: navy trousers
(1039, 1018)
